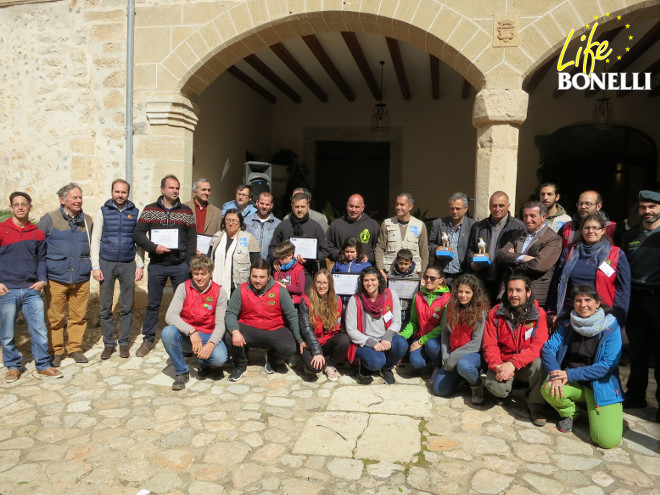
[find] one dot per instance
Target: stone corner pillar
(497, 114)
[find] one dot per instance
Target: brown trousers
(58, 295)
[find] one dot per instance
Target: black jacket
(483, 229)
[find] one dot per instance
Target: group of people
(560, 286)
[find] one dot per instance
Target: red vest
(199, 309)
(429, 317)
(389, 304)
(567, 233)
(263, 312)
(460, 336)
(321, 335)
(604, 284)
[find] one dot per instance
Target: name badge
(606, 268)
(243, 242)
(387, 316)
(528, 333)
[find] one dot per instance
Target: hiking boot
(537, 415)
(56, 361)
(477, 394)
(331, 373)
(565, 425)
(124, 351)
(12, 375)
(237, 374)
(388, 376)
(180, 381)
(50, 373)
(79, 357)
(108, 351)
(145, 348)
(202, 372)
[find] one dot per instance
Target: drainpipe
(130, 29)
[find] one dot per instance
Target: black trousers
(643, 329)
(280, 340)
(334, 351)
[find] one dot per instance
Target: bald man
(589, 203)
(356, 223)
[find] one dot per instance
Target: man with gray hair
(402, 231)
(207, 217)
(456, 229)
(68, 265)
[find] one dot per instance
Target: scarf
(288, 265)
(596, 254)
(223, 264)
(518, 315)
(297, 224)
(593, 325)
(374, 308)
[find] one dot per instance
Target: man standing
(113, 257)
(496, 230)
(173, 223)
(195, 327)
(68, 232)
(356, 223)
(589, 202)
(642, 248)
(242, 202)
(515, 332)
(533, 252)
(402, 231)
(255, 316)
(22, 278)
(207, 216)
(300, 225)
(557, 216)
(262, 224)
(317, 216)
(457, 228)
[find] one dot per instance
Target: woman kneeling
(582, 357)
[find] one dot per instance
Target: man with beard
(515, 332)
(355, 223)
(557, 216)
(262, 224)
(589, 202)
(642, 248)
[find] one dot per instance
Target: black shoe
(202, 373)
(364, 375)
(657, 415)
(388, 376)
(180, 381)
(79, 357)
(188, 354)
(237, 374)
(631, 403)
(56, 361)
(270, 362)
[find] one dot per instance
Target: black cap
(647, 195)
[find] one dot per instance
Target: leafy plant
(423, 216)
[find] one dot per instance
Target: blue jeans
(32, 305)
(156, 280)
(386, 360)
(467, 367)
(429, 353)
(177, 343)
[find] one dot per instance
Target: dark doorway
(617, 162)
(348, 167)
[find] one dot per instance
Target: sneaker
(565, 425)
(388, 376)
(188, 354)
(331, 373)
(363, 373)
(124, 351)
(630, 403)
(50, 373)
(79, 357)
(56, 361)
(108, 351)
(237, 374)
(270, 362)
(180, 381)
(145, 348)
(12, 375)
(202, 372)
(478, 394)
(536, 415)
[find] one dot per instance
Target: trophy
(445, 251)
(481, 258)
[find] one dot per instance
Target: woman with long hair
(461, 336)
(324, 345)
(373, 322)
(582, 357)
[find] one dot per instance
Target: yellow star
(618, 57)
(607, 14)
(588, 26)
(618, 17)
(607, 60)
(630, 37)
(627, 26)
(627, 48)
(595, 18)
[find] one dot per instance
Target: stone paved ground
(114, 427)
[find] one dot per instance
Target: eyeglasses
(592, 229)
(586, 204)
(242, 195)
(232, 221)
(20, 205)
(431, 279)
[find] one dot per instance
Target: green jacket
(413, 324)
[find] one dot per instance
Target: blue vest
(117, 237)
(67, 251)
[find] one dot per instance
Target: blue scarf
(597, 254)
(593, 325)
(288, 265)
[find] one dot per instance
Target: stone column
(497, 115)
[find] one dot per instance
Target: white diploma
(166, 237)
(345, 283)
(405, 288)
(203, 243)
(305, 247)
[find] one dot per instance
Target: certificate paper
(405, 288)
(305, 247)
(203, 243)
(166, 237)
(345, 283)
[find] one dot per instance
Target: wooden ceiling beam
(467, 87)
(257, 64)
(250, 83)
(435, 77)
(361, 61)
(397, 60)
(654, 68)
(285, 56)
(321, 55)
